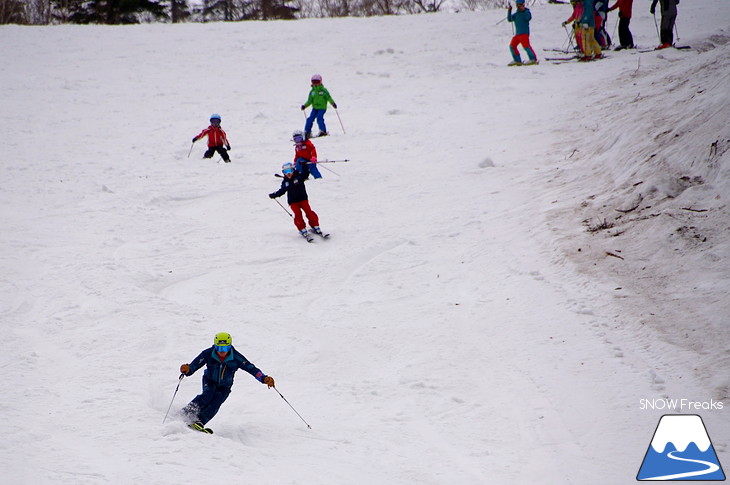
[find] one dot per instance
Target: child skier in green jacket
(318, 99)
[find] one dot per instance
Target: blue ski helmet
(215, 116)
(287, 168)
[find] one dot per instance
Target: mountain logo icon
(680, 450)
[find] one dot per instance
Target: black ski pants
(667, 34)
(624, 34)
(211, 150)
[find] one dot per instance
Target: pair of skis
(308, 235)
(678, 47)
(562, 60)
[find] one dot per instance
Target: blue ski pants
(312, 167)
(206, 404)
(317, 114)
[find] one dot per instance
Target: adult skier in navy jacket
(221, 361)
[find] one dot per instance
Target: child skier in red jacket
(216, 139)
(305, 153)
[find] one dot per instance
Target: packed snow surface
(522, 258)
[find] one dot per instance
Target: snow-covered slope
(465, 324)
(656, 202)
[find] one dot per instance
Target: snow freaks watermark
(680, 449)
(680, 405)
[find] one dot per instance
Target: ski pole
(292, 407)
(290, 214)
(191, 149)
(341, 125)
(330, 170)
(173, 397)
(332, 161)
(569, 36)
(501, 21)
(657, 28)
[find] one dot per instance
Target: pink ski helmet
(316, 79)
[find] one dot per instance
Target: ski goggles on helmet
(215, 121)
(288, 171)
(298, 138)
(222, 348)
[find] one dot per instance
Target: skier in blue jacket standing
(221, 361)
(521, 18)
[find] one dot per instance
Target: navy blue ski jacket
(294, 186)
(221, 373)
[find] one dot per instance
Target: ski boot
(305, 234)
(316, 230)
(198, 426)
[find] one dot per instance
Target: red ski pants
(523, 39)
(303, 206)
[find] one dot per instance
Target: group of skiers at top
(589, 22)
(305, 155)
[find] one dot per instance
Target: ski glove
(303, 107)
(228, 147)
(194, 140)
(334, 105)
(184, 369)
(269, 381)
(272, 195)
(651, 10)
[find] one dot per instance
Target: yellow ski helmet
(222, 339)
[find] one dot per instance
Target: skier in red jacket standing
(624, 19)
(217, 140)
